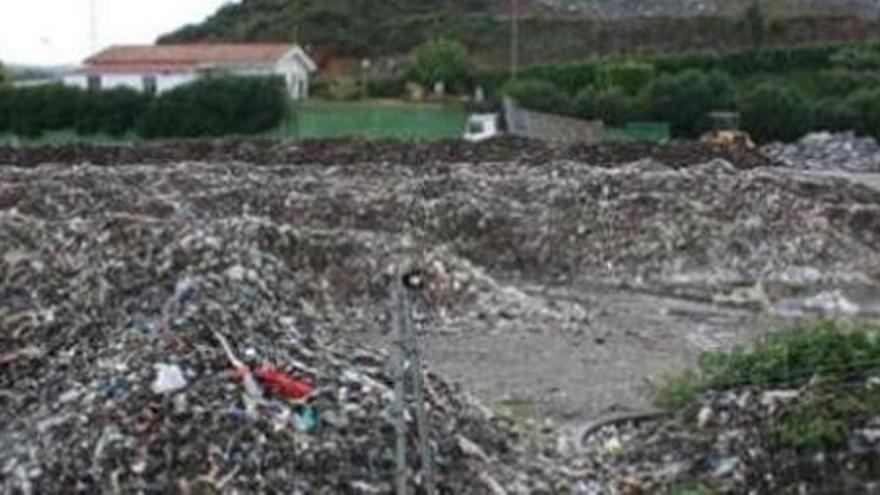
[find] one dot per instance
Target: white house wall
(76, 80)
(165, 82)
(296, 76)
(290, 67)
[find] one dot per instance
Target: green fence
(376, 120)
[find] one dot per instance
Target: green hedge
(539, 95)
(217, 106)
(775, 113)
(684, 100)
(114, 112)
(630, 76)
(208, 107)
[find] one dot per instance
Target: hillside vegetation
(554, 29)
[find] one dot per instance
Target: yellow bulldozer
(725, 132)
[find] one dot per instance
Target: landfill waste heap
(177, 326)
(829, 151)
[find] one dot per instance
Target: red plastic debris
(283, 384)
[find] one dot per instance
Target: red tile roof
(184, 56)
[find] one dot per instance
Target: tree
(684, 99)
(443, 61)
(4, 78)
(629, 76)
(612, 106)
(538, 95)
(771, 112)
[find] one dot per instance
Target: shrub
(569, 78)
(5, 95)
(857, 58)
(788, 358)
(630, 76)
(114, 112)
(843, 82)
(834, 114)
(686, 98)
(866, 103)
(217, 106)
(443, 61)
(538, 95)
(343, 89)
(33, 110)
(612, 106)
(386, 87)
(771, 112)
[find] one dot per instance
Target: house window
(150, 85)
(94, 82)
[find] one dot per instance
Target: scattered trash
(169, 379)
(306, 418)
(282, 384)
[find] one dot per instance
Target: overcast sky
(49, 32)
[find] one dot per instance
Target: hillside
(552, 29)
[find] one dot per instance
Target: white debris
(169, 379)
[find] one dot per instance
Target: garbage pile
(192, 326)
(145, 353)
(829, 151)
(678, 154)
(734, 442)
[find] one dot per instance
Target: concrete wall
(552, 128)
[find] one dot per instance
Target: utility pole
(93, 26)
(514, 38)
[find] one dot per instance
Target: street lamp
(366, 64)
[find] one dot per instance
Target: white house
(158, 68)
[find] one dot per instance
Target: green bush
(5, 116)
(343, 89)
(684, 99)
(612, 106)
(538, 95)
(866, 103)
(834, 114)
(787, 358)
(443, 61)
(569, 78)
(386, 87)
(771, 112)
(629, 76)
(34, 110)
(857, 58)
(114, 112)
(217, 106)
(843, 82)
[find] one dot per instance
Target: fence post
(412, 282)
(399, 407)
(406, 364)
